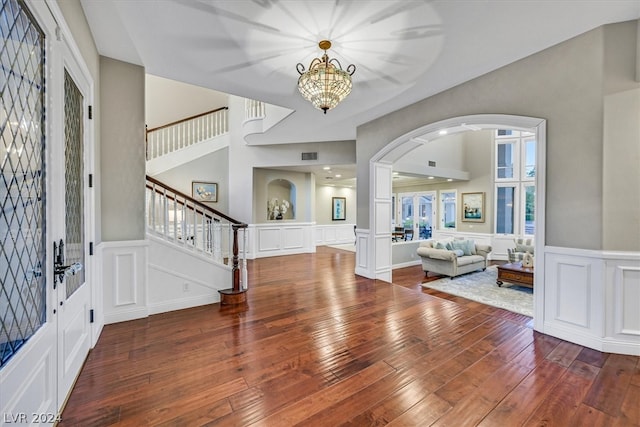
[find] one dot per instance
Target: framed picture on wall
(473, 207)
(338, 208)
(204, 191)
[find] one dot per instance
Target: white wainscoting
(591, 298)
(124, 266)
(280, 238)
(500, 244)
(153, 276)
(334, 234)
(179, 278)
(363, 258)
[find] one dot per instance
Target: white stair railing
(175, 136)
(177, 218)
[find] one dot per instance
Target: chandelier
(325, 84)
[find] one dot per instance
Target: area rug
(481, 287)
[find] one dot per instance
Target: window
(417, 213)
(448, 209)
(506, 153)
(505, 215)
(515, 172)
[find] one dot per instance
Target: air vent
(310, 156)
(432, 164)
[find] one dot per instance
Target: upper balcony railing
(254, 109)
(186, 132)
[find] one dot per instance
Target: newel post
(235, 295)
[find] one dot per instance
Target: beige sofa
(448, 263)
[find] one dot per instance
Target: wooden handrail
(194, 201)
(187, 119)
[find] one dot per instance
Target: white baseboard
(181, 304)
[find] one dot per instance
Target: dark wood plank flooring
(318, 346)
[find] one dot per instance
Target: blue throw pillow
(467, 247)
(471, 246)
(460, 245)
(458, 252)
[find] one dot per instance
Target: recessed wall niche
(281, 200)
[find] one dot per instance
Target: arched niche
(281, 200)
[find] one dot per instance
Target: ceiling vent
(432, 164)
(310, 156)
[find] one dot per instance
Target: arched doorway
(378, 247)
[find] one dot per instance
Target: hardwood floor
(318, 346)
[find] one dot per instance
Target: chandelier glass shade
(325, 84)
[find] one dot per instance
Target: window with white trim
(515, 190)
(448, 209)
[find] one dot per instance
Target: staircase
(193, 227)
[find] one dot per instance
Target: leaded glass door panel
(28, 350)
(23, 251)
(73, 291)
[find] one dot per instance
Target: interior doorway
(379, 206)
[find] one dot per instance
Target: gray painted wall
(565, 85)
(213, 167)
(122, 150)
(75, 19)
(476, 152)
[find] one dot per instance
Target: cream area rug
(481, 287)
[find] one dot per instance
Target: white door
(28, 323)
(44, 316)
(73, 291)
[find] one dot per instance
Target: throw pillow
(461, 245)
(458, 252)
(444, 244)
(472, 246)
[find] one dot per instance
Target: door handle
(60, 271)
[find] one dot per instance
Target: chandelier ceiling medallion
(325, 84)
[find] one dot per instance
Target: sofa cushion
(466, 260)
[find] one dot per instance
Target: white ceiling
(404, 51)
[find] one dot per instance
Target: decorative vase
(527, 260)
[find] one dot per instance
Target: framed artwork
(204, 191)
(473, 207)
(338, 208)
